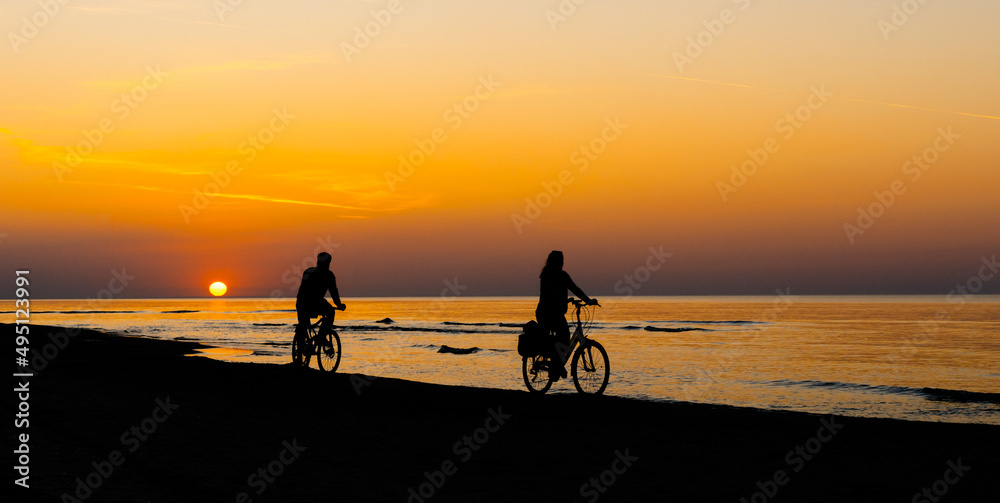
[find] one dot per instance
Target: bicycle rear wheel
(591, 368)
(535, 370)
(308, 347)
(328, 353)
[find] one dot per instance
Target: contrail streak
(252, 197)
(896, 105)
(918, 108)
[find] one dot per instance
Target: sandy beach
(117, 418)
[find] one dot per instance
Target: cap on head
(324, 258)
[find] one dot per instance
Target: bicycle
(326, 348)
(591, 367)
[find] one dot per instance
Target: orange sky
(116, 115)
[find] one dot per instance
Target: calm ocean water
(915, 358)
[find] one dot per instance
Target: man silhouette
(311, 299)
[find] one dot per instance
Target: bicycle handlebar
(580, 303)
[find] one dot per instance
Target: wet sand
(210, 430)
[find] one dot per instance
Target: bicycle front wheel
(591, 368)
(535, 370)
(328, 353)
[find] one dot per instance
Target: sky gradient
(625, 120)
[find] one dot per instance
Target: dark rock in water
(386, 321)
(457, 351)
(683, 329)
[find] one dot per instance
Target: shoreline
(215, 424)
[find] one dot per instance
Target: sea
(921, 358)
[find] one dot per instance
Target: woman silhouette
(551, 311)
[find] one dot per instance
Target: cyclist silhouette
(311, 299)
(551, 311)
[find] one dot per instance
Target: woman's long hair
(554, 262)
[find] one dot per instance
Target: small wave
(386, 321)
(715, 322)
(258, 352)
(458, 351)
(269, 324)
(181, 311)
(79, 312)
(937, 394)
(482, 324)
(398, 328)
(952, 395)
(277, 343)
(681, 329)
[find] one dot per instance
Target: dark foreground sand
(228, 421)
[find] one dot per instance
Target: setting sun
(218, 288)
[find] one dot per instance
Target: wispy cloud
(716, 82)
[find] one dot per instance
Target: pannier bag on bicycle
(534, 340)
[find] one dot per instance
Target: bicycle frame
(578, 336)
(591, 365)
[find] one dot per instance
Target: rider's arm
(575, 289)
(334, 293)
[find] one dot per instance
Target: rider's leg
(328, 312)
(556, 323)
(300, 331)
(561, 346)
